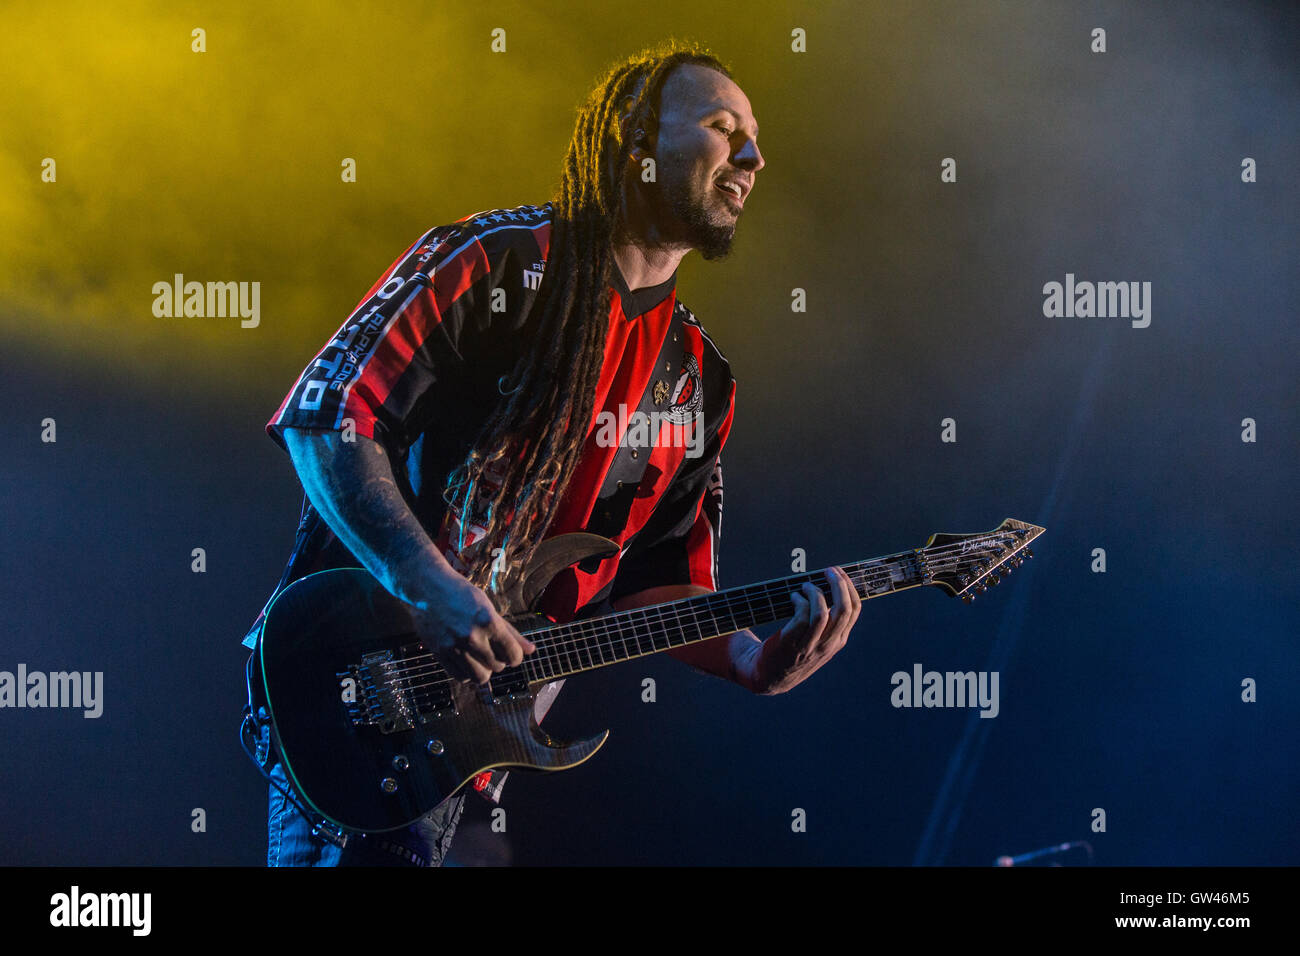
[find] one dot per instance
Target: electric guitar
(373, 733)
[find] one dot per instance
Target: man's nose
(748, 157)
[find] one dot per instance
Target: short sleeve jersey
(421, 362)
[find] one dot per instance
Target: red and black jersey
(420, 364)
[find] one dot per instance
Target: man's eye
(722, 128)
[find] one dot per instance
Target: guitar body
(373, 743)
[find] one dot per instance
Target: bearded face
(706, 155)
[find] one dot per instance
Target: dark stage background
(1119, 690)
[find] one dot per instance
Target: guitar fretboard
(583, 645)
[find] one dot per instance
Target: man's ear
(637, 137)
(640, 145)
(625, 130)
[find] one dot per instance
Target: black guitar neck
(961, 564)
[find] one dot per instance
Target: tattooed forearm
(351, 484)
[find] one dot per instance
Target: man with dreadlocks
(484, 396)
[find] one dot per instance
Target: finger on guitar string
(819, 613)
(801, 619)
(492, 646)
(508, 645)
(842, 595)
(854, 598)
(467, 633)
(844, 610)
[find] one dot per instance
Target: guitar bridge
(393, 693)
(382, 698)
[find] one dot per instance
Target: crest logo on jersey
(688, 396)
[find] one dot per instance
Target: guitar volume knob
(434, 748)
(388, 785)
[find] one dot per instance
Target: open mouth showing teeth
(731, 189)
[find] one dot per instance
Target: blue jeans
(290, 841)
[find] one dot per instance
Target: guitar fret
(636, 622)
(678, 627)
(570, 653)
(637, 626)
(710, 605)
(615, 641)
(596, 646)
(676, 634)
(658, 639)
(584, 647)
(631, 632)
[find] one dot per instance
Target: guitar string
(572, 637)
(569, 641)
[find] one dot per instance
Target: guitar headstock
(966, 564)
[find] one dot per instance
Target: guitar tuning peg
(994, 579)
(967, 598)
(1028, 553)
